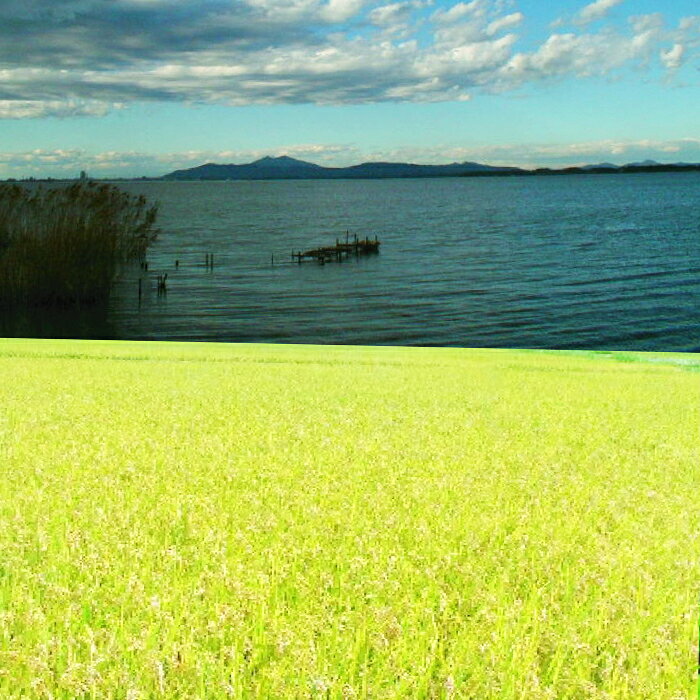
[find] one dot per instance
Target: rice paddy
(259, 521)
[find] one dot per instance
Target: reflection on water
(85, 322)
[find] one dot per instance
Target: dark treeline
(378, 171)
(65, 245)
(619, 170)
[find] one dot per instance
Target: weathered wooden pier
(338, 252)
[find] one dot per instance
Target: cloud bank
(87, 57)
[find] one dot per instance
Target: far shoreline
(509, 172)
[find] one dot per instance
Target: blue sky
(141, 87)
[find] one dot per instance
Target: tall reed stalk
(66, 245)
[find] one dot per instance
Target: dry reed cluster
(65, 245)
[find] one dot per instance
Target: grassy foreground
(212, 521)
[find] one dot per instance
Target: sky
(129, 88)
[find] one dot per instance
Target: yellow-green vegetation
(211, 521)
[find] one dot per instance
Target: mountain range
(286, 168)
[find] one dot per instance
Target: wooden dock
(339, 251)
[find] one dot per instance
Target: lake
(588, 262)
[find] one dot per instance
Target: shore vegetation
(65, 244)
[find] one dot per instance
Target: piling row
(338, 252)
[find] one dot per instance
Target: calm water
(600, 262)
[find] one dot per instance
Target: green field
(259, 521)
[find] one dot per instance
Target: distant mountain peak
(283, 162)
(607, 165)
(644, 163)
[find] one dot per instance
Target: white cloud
(689, 32)
(285, 11)
(690, 24)
(34, 109)
(299, 51)
(596, 10)
(460, 11)
(642, 24)
(340, 10)
(673, 58)
(506, 22)
(392, 14)
(582, 55)
(470, 59)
